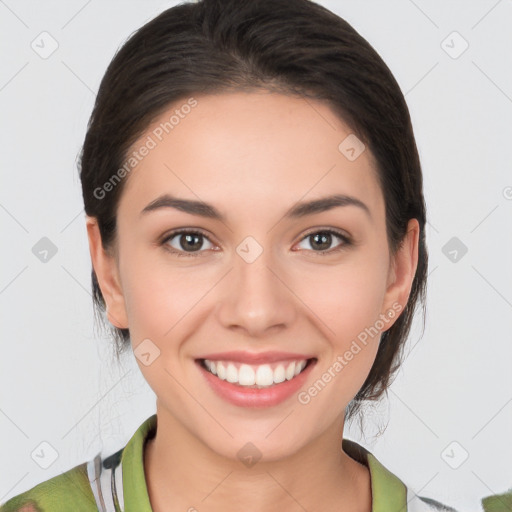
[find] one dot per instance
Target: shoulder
(93, 485)
(417, 503)
(390, 493)
(56, 494)
(498, 502)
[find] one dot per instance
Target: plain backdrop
(448, 416)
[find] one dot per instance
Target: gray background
(453, 397)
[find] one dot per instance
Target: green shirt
(117, 483)
(498, 502)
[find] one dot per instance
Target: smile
(255, 376)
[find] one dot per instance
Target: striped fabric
(106, 479)
(116, 483)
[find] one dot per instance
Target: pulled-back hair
(293, 47)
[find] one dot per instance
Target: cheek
(347, 307)
(160, 300)
(158, 293)
(347, 298)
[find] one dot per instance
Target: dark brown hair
(294, 47)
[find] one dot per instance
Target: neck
(184, 474)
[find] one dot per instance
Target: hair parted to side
(294, 47)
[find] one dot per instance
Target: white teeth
(246, 376)
(231, 373)
(299, 367)
(279, 374)
(290, 371)
(211, 366)
(264, 375)
(257, 375)
(221, 371)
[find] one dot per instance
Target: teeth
(264, 375)
(231, 373)
(246, 376)
(255, 376)
(221, 370)
(290, 371)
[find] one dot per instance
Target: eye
(188, 243)
(321, 240)
(185, 242)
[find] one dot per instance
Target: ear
(105, 267)
(402, 271)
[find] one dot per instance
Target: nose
(256, 298)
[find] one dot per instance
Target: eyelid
(338, 232)
(184, 231)
(345, 237)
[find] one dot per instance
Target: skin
(253, 156)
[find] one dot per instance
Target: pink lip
(253, 397)
(255, 358)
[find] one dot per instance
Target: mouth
(256, 376)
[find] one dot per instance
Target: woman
(256, 224)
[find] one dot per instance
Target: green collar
(136, 498)
(388, 491)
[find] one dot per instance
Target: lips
(255, 380)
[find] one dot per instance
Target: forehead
(243, 149)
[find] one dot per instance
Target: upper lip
(255, 358)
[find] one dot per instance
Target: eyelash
(345, 239)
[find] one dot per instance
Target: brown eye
(183, 242)
(321, 241)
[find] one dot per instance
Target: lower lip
(253, 397)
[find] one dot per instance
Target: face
(259, 284)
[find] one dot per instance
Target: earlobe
(403, 269)
(107, 274)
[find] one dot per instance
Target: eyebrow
(297, 211)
